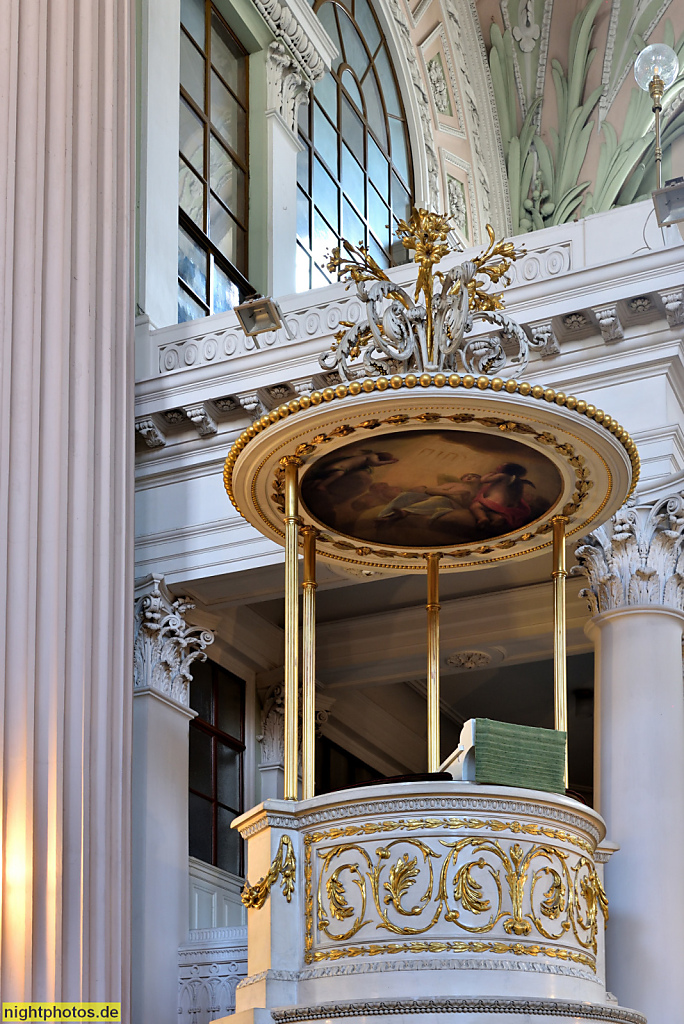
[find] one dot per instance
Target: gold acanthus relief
(283, 864)
(569, 896)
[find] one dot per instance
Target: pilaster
(165, 647)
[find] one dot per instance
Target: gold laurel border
(517, 948)
(369, 828)
(411, 380)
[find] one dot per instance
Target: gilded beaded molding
(426, 380)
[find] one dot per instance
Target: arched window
(355, 178)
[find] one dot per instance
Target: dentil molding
(165, 645)
(634, 560)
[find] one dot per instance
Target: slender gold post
(560, 689)
(656, 88)
(309, 534)
(291, 464)
(433, 661)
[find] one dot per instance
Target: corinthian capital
(165, 645)
(287, 84)
(635, 559)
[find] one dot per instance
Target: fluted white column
(65, 501)
(636, 591)
(165, 648)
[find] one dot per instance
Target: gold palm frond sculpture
(403, 335)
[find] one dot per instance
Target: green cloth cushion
(519, 755)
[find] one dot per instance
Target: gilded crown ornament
(401, 335)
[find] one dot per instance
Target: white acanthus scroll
(165, 645)
(635, 559)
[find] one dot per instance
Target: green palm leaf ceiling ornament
(544, 180)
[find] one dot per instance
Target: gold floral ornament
(402, 334)
(284, 865)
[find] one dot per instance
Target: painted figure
(501, 497)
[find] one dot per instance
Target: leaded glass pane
(387, 84)
(378, 169)
(192, 17)
(303, 270)
(354, 51)
(367, 24)
(227, 179)
(378, 216)
(327, 17)
(324, 240)
(191, 131)
(188, 309)
(399, 151)
(227, 842)
(226, 293)
(349, 82)
(303, 169)
(190, 193)
(303, 207)
(352, 127)
(192, 70)
(353, 227)
(228, 59)
(224, 232)
(200, 761)
(326, 138)
(374, 111)
(325, 91)
(192, 264)
(353, 180)
(228, 116)
(325, 193)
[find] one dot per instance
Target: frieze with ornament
(474, 884)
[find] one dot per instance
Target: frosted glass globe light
(656, 60)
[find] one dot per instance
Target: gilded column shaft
(309, 663)
(560, 689)
(433, 662)
(291, 625)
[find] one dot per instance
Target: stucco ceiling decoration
(575, 130)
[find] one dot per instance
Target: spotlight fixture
(655, 69)
(261, 314)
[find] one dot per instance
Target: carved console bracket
(284, 865)
(609, 322)
(673, 301)
(287, 85)
(151, 431)
(634, 560)
(543, 338)
(165, 645)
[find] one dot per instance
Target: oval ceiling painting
(430, 488)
